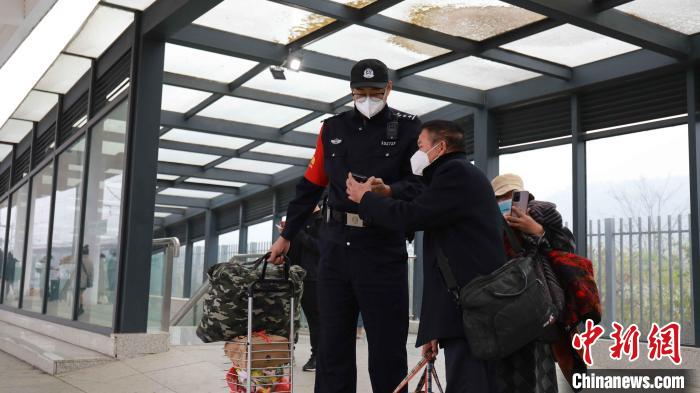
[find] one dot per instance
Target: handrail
(172, 250)
(201, 291)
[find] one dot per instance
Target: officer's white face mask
(420, 161)
(369, 106)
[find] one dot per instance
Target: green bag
(225, 311)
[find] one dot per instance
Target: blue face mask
(505, 206)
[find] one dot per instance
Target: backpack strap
(447, 276)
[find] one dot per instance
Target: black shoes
(310, 365)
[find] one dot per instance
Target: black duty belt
(349, 219)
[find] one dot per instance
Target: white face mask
(369, 106)
(420, 161)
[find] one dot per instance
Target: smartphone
(520, 200)
(359, 178)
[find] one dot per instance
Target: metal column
(485, 143)
(578, 178)
(139, 192)
(694, 160)
(211, 240)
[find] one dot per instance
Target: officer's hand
(356, 190)
(279, 248)
(430, 350)
(379, 187)
(280, 226)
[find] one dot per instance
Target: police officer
(363, 267)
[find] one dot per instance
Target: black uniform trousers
(464, 372)
(373, 280)
(309, 303)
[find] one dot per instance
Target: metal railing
(642, 267)
(172, 250)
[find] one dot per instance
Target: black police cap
(369, 73)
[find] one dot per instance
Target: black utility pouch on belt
(507, 309)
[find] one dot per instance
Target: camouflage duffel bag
(225, 311)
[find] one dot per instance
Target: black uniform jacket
(304, 250)
(349, 142)
(457, 209)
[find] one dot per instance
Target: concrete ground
(184, 369)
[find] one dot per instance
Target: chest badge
(368, 74)
(388, 143)
(336, 141)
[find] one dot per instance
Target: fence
(643, 271)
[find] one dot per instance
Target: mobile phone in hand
(359, 178)
(520, 200)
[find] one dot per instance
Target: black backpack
(509, 308)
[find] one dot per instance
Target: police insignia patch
(368, 74)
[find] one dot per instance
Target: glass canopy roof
(357, 43)
(679, 15)
(262, 19)
(303, 99)
(570, 45)
(473, 19)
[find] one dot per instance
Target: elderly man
(458, 212)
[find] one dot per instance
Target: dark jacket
(304, 249)
(457, 209)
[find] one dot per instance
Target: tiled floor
(184, 369)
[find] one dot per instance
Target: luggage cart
(266, 364)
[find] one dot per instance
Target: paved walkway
(184, 369)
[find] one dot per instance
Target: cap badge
(368, 74)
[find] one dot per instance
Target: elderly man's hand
(379, 187)
(357, 190)
(522, 221)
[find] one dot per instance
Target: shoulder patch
(404, 115)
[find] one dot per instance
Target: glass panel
(241, 164)
(38, 241)
(259, 237)
(183, 157)
(285, 150)
(248, 111)
(413, 104)
(179, 99)
(478, 73)
(228, 245)
(472, 19)
(64, 73)
(214, 182)
(98, 281)
(15, 130)
(537, 171)
(639, 229)
(5, 150)
(178, 289)
(155, 290)
(66, 226)
(197, 265)
(314, 126)
(166, 177)
(282, 24)
(205, 138)
(570, 45)
(3, 232)
(301, 84)
(135, 4)
(36, 106)
(680, 15)
(394, 51)
(209, 65)
(190, 193)
(103, 27)
(355, 3)
(15, 245)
